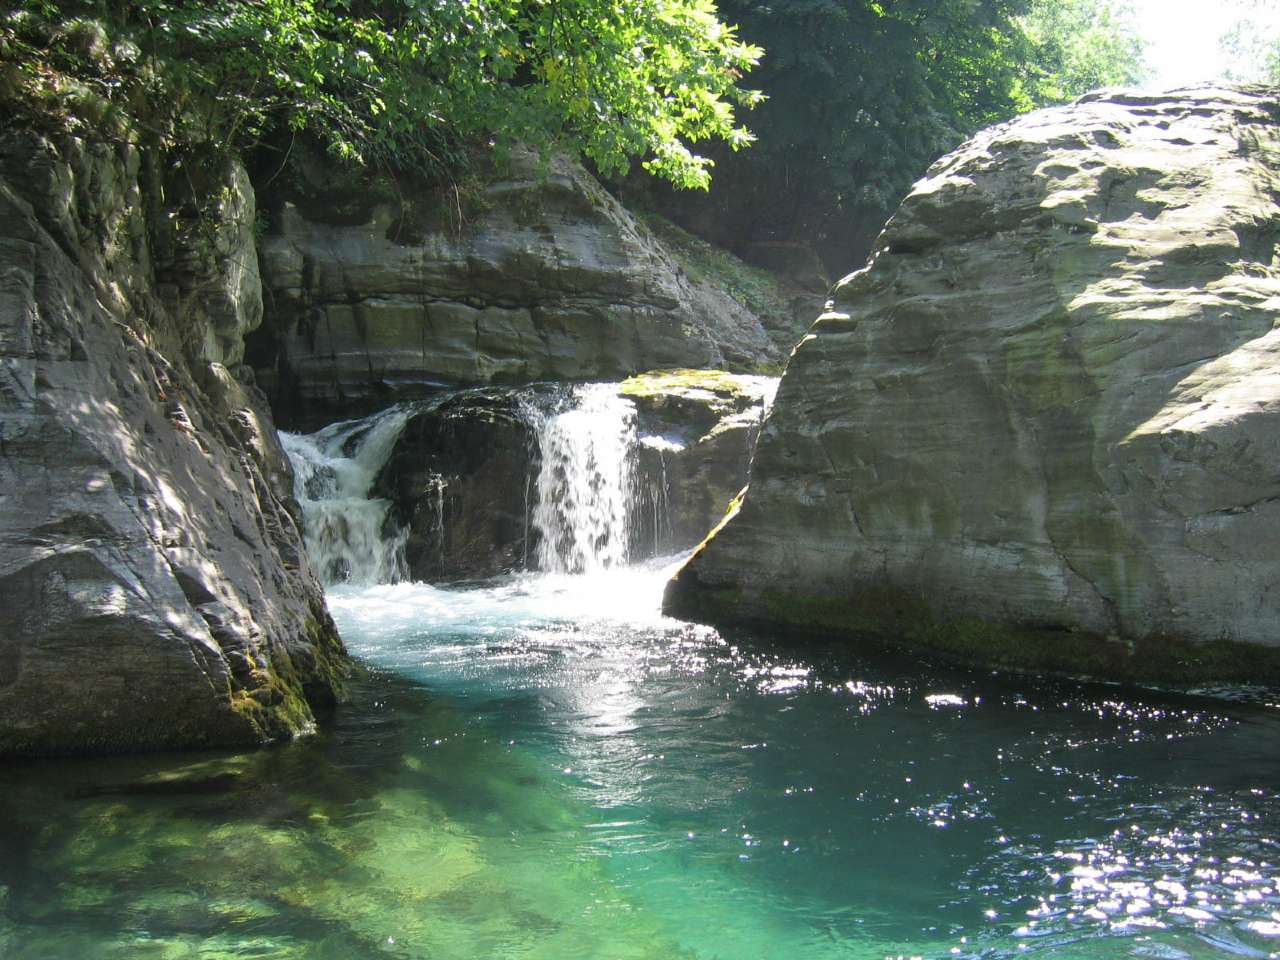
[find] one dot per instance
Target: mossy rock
(739, 389)
(684, 399)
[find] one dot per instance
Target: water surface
(546, 768)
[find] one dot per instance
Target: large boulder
(153, 586)
(533, 274)
(1042, 426)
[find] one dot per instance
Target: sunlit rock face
(153, 587)
(1047, 413)
(538, 274)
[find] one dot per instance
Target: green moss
(281, 701)
(333, 664)
(664, 383)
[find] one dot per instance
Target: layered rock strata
(1042, 426)
(153, 587)
(537, 275)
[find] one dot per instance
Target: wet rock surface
(1040, 427)
(459, 481)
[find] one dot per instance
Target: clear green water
(546, 769)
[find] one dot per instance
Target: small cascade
(334, 472)
(436, 488)
(583, 495)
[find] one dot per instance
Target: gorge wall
(535, 274)
(153, 586)
(1042, 426)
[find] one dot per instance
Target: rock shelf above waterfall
(549, 278)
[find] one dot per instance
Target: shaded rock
(459, 482)
(543, 276)
(696, 429)
(1040, 427)
(153, 590)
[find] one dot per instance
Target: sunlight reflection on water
(1067, 830)
(544, 767)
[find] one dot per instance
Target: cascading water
(334, 471)
(582, 495)
(584, 491)
(655, 494)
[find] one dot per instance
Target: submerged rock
(153, 587)
(1042, 427)
(538, 275)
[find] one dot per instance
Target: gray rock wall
(153, 587)
(547, 277)
(1043, 425)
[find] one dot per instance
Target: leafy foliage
(394, 81)
(1253, 43)
(1077, 46)
(862, 95)
(865, 94)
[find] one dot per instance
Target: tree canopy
(1253, 43)
(865, 94)
(862, 94)
(394, 80)
(1076, 46)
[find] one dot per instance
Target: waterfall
(584, 499)
(583, 493)
(334, 472)
(655, 494)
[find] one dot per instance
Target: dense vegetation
(1253, 43)
(1074, 46)
(862, 94)
(399, 82)
(865, 94)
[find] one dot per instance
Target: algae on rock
(323, 847)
